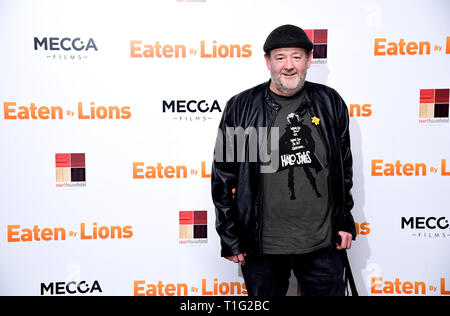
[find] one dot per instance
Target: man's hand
(346, 241)
(238, 258)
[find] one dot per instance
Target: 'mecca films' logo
(427, 227)
(70, 288)
(65, 48)
(191, 110)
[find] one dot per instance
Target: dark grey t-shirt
(296, 217)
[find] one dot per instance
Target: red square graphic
(426, 95)
(78, 160)
(200, 217)
(186, 217)
(320, 36)
(62, 160)
(442, 95)
(310, 34)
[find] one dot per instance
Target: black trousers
(320, 273)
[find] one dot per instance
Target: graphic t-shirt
(296, 217)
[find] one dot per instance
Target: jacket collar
(306, 103)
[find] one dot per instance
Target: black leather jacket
(238, 215)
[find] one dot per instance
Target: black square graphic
(200, 231)
(78, 174)
(441, 110)
(320, 51)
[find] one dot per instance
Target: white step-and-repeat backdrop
(109, 113)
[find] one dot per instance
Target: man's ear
(267, 58)
(309, 59)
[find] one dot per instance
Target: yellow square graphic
(426, 110)
(63, 175)
(186, 231)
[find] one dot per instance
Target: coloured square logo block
(70, 169)
(319, 38)
(434, 103)
(193, 225)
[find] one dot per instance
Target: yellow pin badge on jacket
(316, 120)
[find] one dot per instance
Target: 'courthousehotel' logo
(434, 106)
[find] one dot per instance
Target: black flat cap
(287, 36)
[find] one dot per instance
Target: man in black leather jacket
(292, 211)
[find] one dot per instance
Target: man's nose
(289, 64)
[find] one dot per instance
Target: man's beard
(289, 89)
